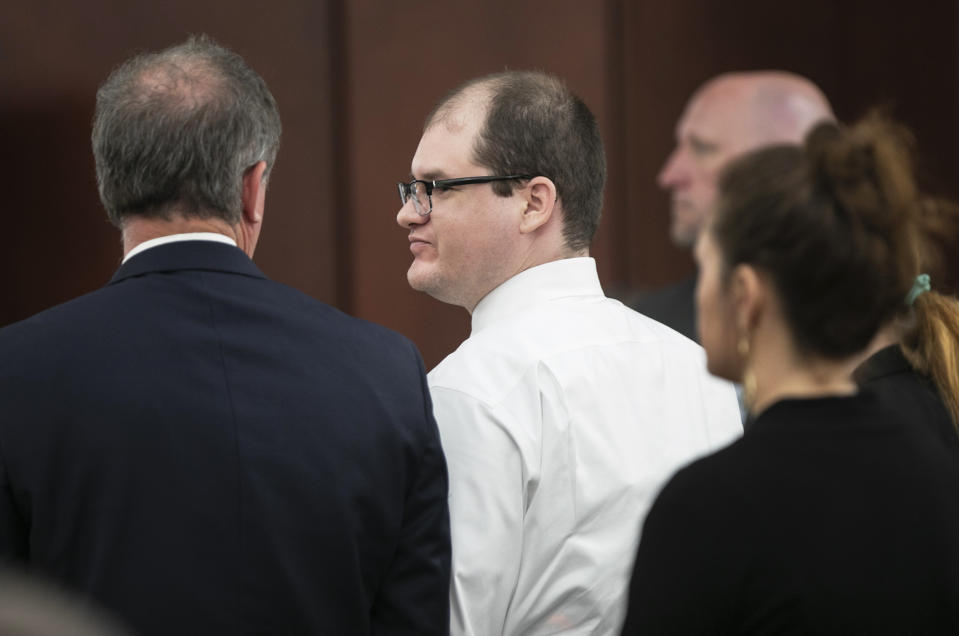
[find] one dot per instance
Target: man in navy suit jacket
(200, 449)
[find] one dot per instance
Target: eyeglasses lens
(417, 192)
(420, 199)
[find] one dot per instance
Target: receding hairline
(473, 98)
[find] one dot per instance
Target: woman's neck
(781, 372)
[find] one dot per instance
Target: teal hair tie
(919, 287)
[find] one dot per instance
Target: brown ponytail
(931, 344)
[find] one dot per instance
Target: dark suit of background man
(198, 448)
(728, 116)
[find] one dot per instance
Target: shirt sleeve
(724, 415)
(413, 599)
(487, 494)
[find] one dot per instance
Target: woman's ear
(540, 201)
(748, 291)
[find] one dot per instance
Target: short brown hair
(535, 125)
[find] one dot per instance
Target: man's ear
(254, 193)
(748, 291)
(540, 200)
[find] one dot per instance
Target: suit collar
(201, 255)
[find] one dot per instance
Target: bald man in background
(727, 116)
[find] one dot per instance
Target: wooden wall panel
(902, 54)
(671, 49)
(355, 79)
(903, 57)
(402, 58)
(53, 56)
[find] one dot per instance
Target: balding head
(532, 123)
(730, 115)
(175, 131)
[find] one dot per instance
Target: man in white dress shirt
(563, 412)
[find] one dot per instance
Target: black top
(673, 305)
(204, 451)
(829, 516)
(906, 393)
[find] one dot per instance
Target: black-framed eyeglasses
(421, 191)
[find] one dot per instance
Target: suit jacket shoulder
(673, 305)
(194, 416)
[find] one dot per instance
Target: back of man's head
(776, 106)
(535, 125)
(728, 116)
(174, 131)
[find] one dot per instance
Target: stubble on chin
(683, 228)
(434, 285)
(414, 278)
(682, 237)
(422, 281)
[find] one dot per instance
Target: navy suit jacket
(673, 305)
(205, 451)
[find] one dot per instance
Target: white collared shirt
(561, 416)
(176, 238)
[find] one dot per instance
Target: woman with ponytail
(832, 514)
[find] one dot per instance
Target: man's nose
(407, 216)
(673, 172)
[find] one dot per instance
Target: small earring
(742, 346)
(749, 378)
(749, 389)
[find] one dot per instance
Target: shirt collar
(556, 279)
(174, 238)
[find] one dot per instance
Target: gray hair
(175, 130)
